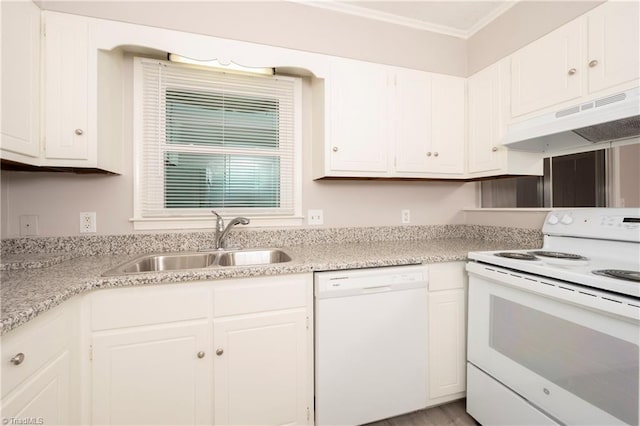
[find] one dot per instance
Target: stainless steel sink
(253, 257)
(198, 260)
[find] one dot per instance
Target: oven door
(569, 350)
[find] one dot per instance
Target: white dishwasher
(370, 344)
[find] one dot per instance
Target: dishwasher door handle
(376, 289)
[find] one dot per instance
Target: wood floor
(453, 413)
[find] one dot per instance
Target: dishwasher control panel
(370, 280)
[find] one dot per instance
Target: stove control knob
(553, 219)
(566, 219)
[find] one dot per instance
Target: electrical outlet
(28, 224)
(406, 216)
(315, 217)
(87, 222)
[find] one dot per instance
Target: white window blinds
(214, 140)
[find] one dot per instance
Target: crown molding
(377, 15)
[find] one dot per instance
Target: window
(602, 178)
(211, 140)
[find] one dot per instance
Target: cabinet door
(20, 77)
(548, 71)
(261, 369)
(487, 117)
(152, 375)
(44, 397)
(359, 129)
(448, 102)
(413, 121)
(66, 87)
(447, 346)
(614, 46)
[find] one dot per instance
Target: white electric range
(554, 333)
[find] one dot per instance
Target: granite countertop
(28, 292)
(33, 260)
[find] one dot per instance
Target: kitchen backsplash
(167, 242)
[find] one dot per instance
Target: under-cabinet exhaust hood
(607, 119)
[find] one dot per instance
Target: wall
(520, 25)
(514, 218)
(291, 25)
(58, 198)
(629, 176)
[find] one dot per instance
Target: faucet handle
(219, 221)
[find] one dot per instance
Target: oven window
(599, 368)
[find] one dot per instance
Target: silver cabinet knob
(79, 132)
(335, 149)
(494, 149)
(201, 354)
(435, 154)
(428, 154)
(593, 63)
(572, 71)
(219, 352)
(17, 359)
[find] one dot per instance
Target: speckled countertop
(26, 293)
(33, 260)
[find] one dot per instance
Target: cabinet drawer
(261, 295)
(39, 341)
(131, 307)
(447, 276)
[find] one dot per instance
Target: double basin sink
(198, 260)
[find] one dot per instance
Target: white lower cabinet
(38, 384)
(153, 375)
(260, 369)
(44, 398)
(235, 351)
(446, 378)
(263, 342)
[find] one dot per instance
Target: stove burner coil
(518, 256)
(619, 273)
(558, 255)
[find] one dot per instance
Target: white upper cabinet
(82, 112)
(61, 97)
(430, 123)
(413, 128)
(488, 116)
(20, 81)
(488, 103)
(66, 57)
(384, 121)
(595, 54)
(548, 71)
(448, 101)
(358, 133)
(614, 44)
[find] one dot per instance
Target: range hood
(611, 118)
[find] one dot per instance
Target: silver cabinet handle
(572, 71)
(219, 352)
(494, 149)
(79, 132)
(17, 360)
(428, 154)
(593, 63)
(335, 149)
(201, 354)
(435, 154)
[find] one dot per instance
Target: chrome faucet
(221, 231)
